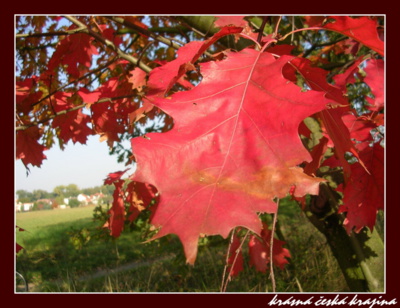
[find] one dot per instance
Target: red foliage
(235, 144)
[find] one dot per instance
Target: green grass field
(63, 252)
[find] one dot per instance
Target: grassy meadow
(65, 251)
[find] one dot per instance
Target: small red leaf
(116, 220)
(259, 250)
(364, 193)
(227, 20)
(114, 177)
(73, 125)
(28, 148)
(76, 52)
(375, 79)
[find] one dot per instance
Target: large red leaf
(233, 149)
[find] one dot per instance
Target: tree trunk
(360, 256)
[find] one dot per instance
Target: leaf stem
(299, 30)
(275, 34)
(271, 249)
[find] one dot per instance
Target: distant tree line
(60, 192)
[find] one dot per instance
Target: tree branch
(56, 33)
(146, 32)
(74, 81)
(109, 44)
(102, 100)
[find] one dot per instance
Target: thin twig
(271, 248)
(225, 284)
(226, 261)
(146, 32)
(56, 33)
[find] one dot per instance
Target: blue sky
(83, 165)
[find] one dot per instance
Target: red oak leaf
(110, 34)
(317, 154)
(73, 124)
(18, 247)
(341, 80)
(364, 193)
(236, 21)
(161, 79)
(332, 123)
(89, 97)
(28, 149)
(139, 197)
(137, 78)
(315, 78)
(360, 129)
(375, 79)
(227, 20)
(259, 251)
(235, 258)
(25, 94)
(114, 177)
(233, 149)
(362, 29)
(141, 111)
(116, 219)
(75, 51)
(108, 117)
(314, 21)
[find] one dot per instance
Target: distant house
(23, 207)
(84, 199)
(92, 199)
(96, 197)
(18, 206)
